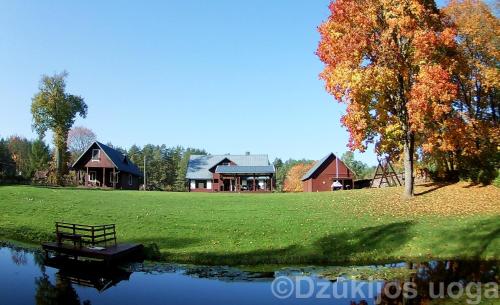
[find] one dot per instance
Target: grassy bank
(454, 221)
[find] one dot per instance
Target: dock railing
(86, 234)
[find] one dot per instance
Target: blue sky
(228, 76)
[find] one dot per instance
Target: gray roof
(232, 169)
(316, 166)
(199, 165)
(121, 162)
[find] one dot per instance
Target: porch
(244, 183)
(98, 177)
(235, 178)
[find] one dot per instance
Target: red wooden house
(230, 173)
(103, 166)
(328, 174)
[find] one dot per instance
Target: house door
(228, 185)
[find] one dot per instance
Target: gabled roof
(199, 165)
(236, 169)
(320, 163)
(120, 161)
(316, 166)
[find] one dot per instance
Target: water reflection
(432, 279)
(62, 293)
(32, 279)
(89, 274)
(18, 257)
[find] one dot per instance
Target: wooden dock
(113, 253)
(92, 242)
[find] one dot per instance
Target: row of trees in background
(283, 169)
(165, 166)
(21, 158)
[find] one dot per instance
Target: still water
(27, 278)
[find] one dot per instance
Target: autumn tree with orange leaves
(391, 63)
(293, 180)
(474, 154)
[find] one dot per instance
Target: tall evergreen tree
(19, 149)
(7, 165)
(39, 156)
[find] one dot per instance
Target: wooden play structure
(385, 175)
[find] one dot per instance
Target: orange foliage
(392, 63)
(478, 77)
(293, 180)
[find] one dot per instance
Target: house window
(201, 184)
(92, 176)
(96, 154)
(216, 180)
(129, 179)
(113, 177)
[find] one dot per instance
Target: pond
(26, 277)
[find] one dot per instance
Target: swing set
(385, 173)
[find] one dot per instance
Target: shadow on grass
(287, 255)
(433, 186)
(69, 188)
(27, 234)
(152, 246)
(378, 240)
(479, 240)
(364, 245)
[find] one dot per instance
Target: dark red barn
(328, 174)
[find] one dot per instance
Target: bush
(481, 169)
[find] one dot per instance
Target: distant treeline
(23, 160)
(165, 166)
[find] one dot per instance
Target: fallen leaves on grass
(460, 199)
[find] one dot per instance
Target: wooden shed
(328, 174)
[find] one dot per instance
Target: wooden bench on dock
(90, 241)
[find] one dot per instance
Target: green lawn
(455, 221)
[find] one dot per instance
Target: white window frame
(98, 154)
(130, 179)
(95, 176)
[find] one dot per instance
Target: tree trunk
(409, 149)
(60, 138)
(59, 168)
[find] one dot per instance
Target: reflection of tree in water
(39, 260)
(18, 257)
(62, 293)
(445, 272)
